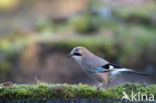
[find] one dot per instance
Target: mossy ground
(43, 91)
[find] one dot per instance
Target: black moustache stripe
(77, 54)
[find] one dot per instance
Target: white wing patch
(111, 67)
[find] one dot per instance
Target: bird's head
(78, 52)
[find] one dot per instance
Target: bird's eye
(77, 49)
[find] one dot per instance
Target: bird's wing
(111, 66)
(99, 69)
(105, 68)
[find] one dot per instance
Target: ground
(43, 91)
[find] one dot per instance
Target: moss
(137, 15)
(44, 91)
(135, 11)
(85, 23)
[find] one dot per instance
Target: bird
(98, 68)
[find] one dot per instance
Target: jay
(98, 68)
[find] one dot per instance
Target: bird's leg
(99, 85)
(107, 85)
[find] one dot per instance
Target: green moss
(85, 23)
(142, 12)
(44, 91)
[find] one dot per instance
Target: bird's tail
(124, 70)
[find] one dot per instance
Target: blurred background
(36, 36)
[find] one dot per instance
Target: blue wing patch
(99, 69)
(104, 68)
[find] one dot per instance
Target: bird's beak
(69, 55)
